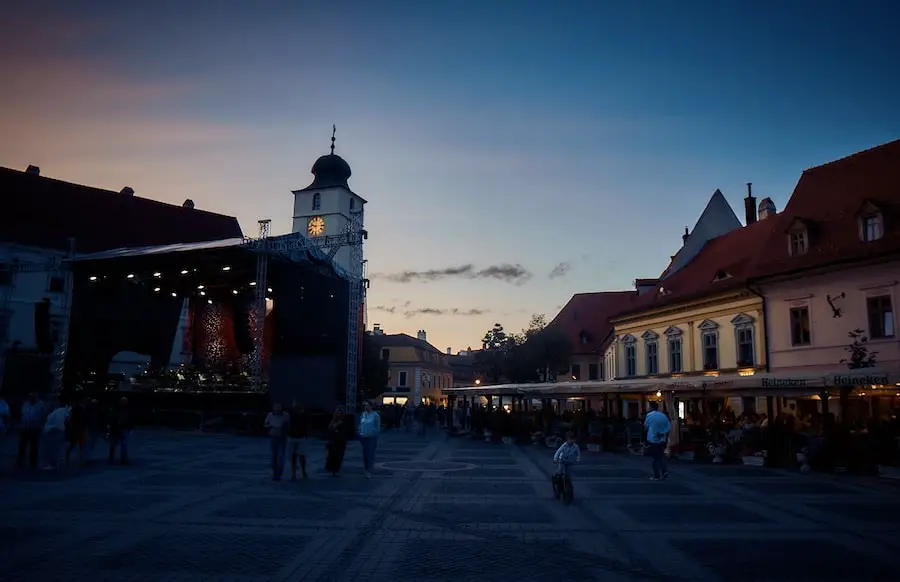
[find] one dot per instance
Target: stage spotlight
(184, 271)
(174, 294)
(203, 293)
(156, 289)
(234, 292)
(269, 289)
(226, 268)
(209, 301)
(253, 283)
(93, 277)
(130, 276)
(200, 287)
(157, 275)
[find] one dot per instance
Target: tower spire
(333, 131)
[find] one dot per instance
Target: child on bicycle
(567, 454)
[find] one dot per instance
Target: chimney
(749, 206)
(33, 170)
(189, 204)
(422, 335)
(449, 352)
(766, 208)
(685, 236)
(126, 191)
(376, 329)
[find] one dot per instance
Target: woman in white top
(369, 429)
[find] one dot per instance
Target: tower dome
(331, 170)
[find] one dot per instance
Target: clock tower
(325, 207)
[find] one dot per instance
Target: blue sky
(482, 133)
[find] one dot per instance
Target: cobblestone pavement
(199, 507)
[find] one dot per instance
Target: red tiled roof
(589, 314)
(723, 264)
(402, 340)
(42, 212)
(828, 199)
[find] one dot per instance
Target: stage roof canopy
(294, 248)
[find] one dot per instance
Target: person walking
(337, 443)
(658, 426)
(278, 423)
(30, 426)
(120, 425)
(54, 436)
(369, 429)
(299, 433)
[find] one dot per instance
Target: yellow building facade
(719, 334)
(417, 370)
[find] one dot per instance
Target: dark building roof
(584, 320)
(329, 171)
(723, 264)
(828, 202)
(401, 340)
(43, 212)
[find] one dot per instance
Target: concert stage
(131, 300)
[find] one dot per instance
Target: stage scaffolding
(294, 247)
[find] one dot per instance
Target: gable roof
(717, 218)
(43, 212)
(733, 253)
(401, 340)
(828, 200)
(589, 313)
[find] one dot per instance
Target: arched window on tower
(317, 201)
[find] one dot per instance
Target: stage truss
(289, 247)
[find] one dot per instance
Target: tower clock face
(315, 226)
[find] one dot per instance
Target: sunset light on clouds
(505, 170)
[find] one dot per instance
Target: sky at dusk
(512, 153)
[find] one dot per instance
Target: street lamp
(477, 381)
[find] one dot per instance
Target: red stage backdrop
(213, 342)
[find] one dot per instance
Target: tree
(492, 360)
(374, 371)
(859, 355)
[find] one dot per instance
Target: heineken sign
(783, 383)
(849, 380)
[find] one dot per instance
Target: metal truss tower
(258, 322)
(58, 363)
(355, 236)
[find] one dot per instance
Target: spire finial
(333, 131)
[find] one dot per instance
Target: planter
(686, 455)
(593, 448)
(754, 461)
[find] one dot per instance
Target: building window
(317, 201)
(630, 343)
(652, 358)
(744, 339)
(583, 338)
(798, 243)
(800, 334)
(603, 370)
(352, 203)
(675, 365)
(710, 350)
(881, 317)
(385, 354)
(872, 228)
(576, 371)
(593, 372)
(401, 378)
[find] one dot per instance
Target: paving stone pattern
(203, 508)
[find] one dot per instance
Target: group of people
(289, 433)
(45, 430)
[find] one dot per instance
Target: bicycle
(562, 485)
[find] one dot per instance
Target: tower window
(353, 204)
(317, 201)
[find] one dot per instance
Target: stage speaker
(42, 327)
(243, 336)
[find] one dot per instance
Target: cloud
(560, 270)
(385, 308)
(435, 311)
(505, 272)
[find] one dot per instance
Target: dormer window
(663, 291)
(871, 222)
(583, 338)
(721, 274)
(798, 238)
